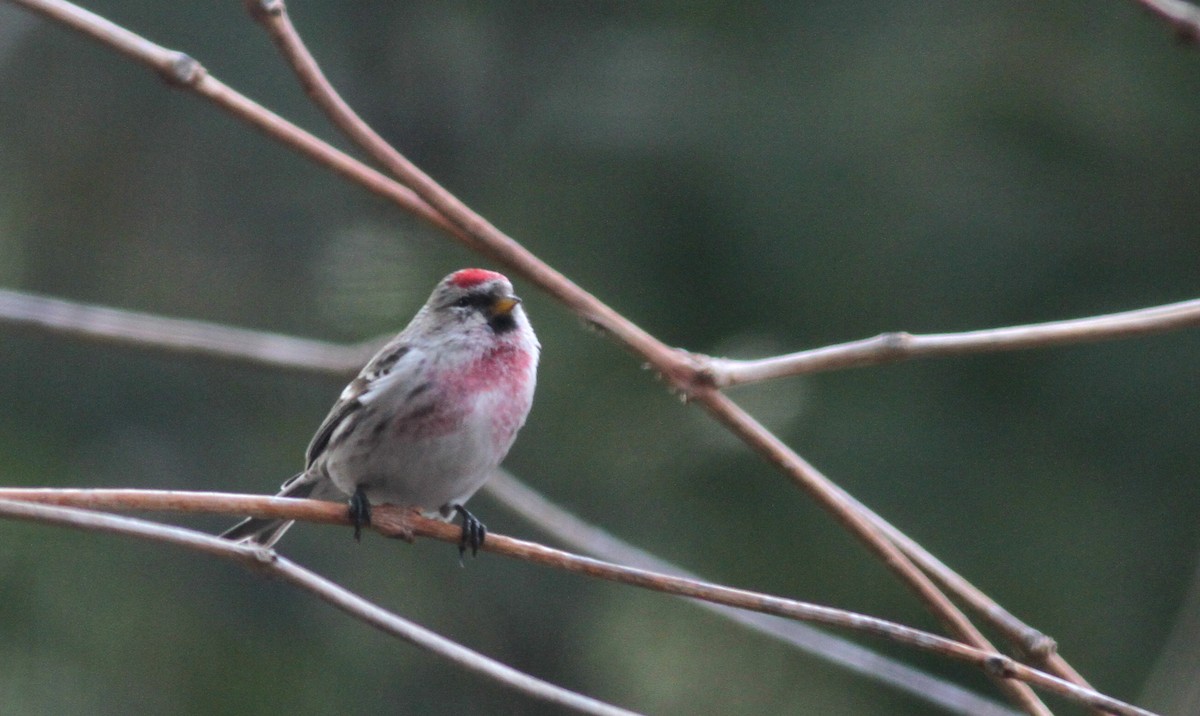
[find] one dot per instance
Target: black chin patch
(502, 323)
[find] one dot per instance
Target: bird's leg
(360, 512)
(473, 532)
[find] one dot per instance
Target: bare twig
(1182, 17)
(675, 366)
(268, 562)
(895, 347)
(112, 325)
(682, 371)
(822, 490)
(406, 523)
(570, 529)
(477, 233)
(273, 15)
(218, 341)
(400, 522)
(1032, 642)
(191, 337)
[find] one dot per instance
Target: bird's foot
(473, 532)
(360, 512)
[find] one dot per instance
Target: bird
(429, 418)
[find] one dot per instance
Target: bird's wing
(341, 412)
(391, 363)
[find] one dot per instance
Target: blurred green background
(737, 180)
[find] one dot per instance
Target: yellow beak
(504, 306)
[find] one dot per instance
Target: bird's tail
(267, 531)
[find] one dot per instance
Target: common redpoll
(430, 417)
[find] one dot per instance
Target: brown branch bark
(431, 202)
(193, 337)
(269, 563)
(569, 529)
(406, 524)
(673, 365)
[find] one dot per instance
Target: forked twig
(680, 369)
(676, 367)
(117, 326)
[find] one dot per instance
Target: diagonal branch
(553, 520)
(268, 563)
(184, 72)
(896, 347)
(477, 233)
(111, 325)
(150, 331)
(680, 370)
(405, 523)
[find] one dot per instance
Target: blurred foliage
(740, 180)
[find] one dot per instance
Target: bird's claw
(360, 512)
(473, 532)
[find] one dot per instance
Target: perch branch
(154, 332)
(557, 522)
(676, 366)
(405, 523)
(269, 563)
(679, 368)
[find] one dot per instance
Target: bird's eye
(463, 302)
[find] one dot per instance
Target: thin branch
(143, 330)
(405, 523)
(269, 563)
(219, 341)
(273, 16)
(477, 233)
(896, 347)
(1182, 17)
(182, 71)
(826, 494)
(472, 229)
(677, 368)
(573, 531)
(1032, 642)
